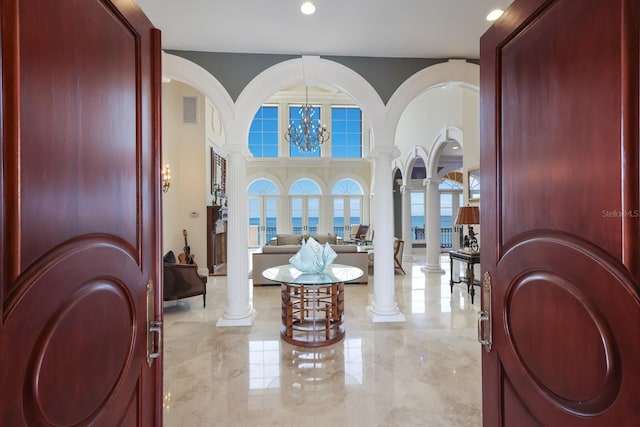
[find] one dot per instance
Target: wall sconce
(166, 178)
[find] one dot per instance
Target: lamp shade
(468, 215)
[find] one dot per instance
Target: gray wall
(235, 70)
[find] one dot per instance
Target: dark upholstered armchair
(183, 281)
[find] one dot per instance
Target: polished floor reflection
(422, 372)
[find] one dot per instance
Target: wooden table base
(312, 315)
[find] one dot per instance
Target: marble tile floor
(422, 372)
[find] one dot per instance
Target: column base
(394, 316)
(224, 321)
(432, 269)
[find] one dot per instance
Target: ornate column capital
(384, 153)
(235, 150)
(428, 181)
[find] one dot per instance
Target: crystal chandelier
(307, 136)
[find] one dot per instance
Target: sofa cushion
(328, 238)
(344, 248)
(296, 239)
(321, 238)
(288, 239)
(281, 249)
(292, 249)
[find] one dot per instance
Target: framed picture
(474, 184)
(218, 176)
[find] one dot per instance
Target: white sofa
(272, 255)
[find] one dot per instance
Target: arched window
(263, 211)
(347, 197)
(449, 184)
(262, 187)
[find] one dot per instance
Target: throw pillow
(169, 258)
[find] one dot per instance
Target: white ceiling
(379, 28)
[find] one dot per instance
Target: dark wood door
(80, 214)
(560, 214)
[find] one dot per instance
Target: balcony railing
(339, 231)
(271, 232)
(312, 229)
(446, 236)
(255, 237)
(418, 233)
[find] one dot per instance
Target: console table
(470, 259)
(312, 303)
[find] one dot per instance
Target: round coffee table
(312, 303)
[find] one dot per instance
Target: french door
(347, 211)
(263, 212)
(305, 214)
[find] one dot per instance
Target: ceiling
(377, 28)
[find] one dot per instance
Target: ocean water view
(416, 221)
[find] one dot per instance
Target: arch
(444, 137)
(311, 180)
(450, 184)
(308, 70)
(300, 175)
(268, 177)
(418, 152)
(335, 178)
(357, 184)
(399, 166)
(396, 173)
(265, 184)
(454, 71)
(185, 71)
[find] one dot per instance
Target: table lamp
(469, 215)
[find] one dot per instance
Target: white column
(239, 309)
(383, 307)
(432, 228)
(406, 223)
(455, 234)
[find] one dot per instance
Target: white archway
(236, 119)
(185, 71)
(444, 137)
(310, 71)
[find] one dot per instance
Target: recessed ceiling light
(308, 8)
(494, 14)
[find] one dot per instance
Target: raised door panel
(560, 196)
(80, 204)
